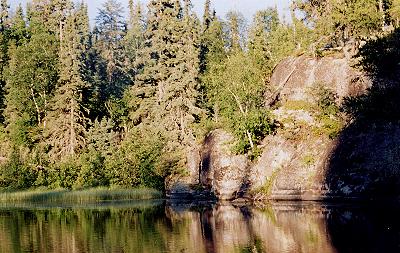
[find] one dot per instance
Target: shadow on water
(202, 228)
(366, 159)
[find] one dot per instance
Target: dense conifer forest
(122, 102)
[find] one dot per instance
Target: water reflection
(206, 227)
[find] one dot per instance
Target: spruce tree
(111, 29)
(212, 46)
(30, 82)
(19, 31)
(67, 121)
(133, 40)
(148, 90)
(264, 23)
(207, 15)
(394, 12)
(4, 39)
(183, 84)
(165, 93)
(4, 15)
(235, 23)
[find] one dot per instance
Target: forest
(120, 104)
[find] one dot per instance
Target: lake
(160, 226)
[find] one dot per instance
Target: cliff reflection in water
(173, 227)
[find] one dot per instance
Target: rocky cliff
(309, 157)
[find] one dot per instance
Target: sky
(247, 7)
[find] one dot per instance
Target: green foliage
(356, 18)
(327, 112)
(91, 171)
(30, 81)
(380, 55)
(66, 121)
(324, 108)
(394, 12)
(326, 100)
(235, 90)
(135, 162)
(335, 22)
(14, 174)
(121, 105)
(257, 123)
(63, 175)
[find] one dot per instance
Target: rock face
(222, 172)
(299, 163)
(294, 76)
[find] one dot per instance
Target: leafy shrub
(137, 162)
(15, 174)
(258, 124)
(91, 171)
(63, 174)
(327, 112)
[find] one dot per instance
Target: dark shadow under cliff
(366, 159)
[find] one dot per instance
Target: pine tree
(111, 29)
(212, 47)
(133, 40)
(264, 23)
(19, 31)
(235, 26)
(30, 82)
(4, 39)
(67, 121)
(165, 93)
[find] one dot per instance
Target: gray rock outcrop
(298, 162)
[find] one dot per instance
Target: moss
(312, 237)
(329, 126)
(299, 105)
(325, 111)
(266, 189)
(308, 160)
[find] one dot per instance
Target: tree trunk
(36, 106)
(244, 114)
(382, 11)
(71, 130)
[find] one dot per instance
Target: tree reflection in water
(211, 227)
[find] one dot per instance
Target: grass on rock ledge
(94, 195)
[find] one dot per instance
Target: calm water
(174, 227)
